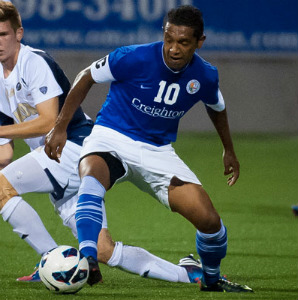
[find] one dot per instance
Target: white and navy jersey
(36, 78)
(146, 99)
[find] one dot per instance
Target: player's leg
(95, 180)
(185, 196)
(191, 201)
(139, 261)
(35, 172)
(6, 153)
(22, 176)
(178, 188)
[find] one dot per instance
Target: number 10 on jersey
(168, 95)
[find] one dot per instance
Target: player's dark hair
(186, 15)
(8, 12)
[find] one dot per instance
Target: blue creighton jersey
(147, 99)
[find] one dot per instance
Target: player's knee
(105, 246)
(211, 223)
(7, 191)
(4, 163)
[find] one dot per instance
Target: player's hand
(54, 143)
(232, 167)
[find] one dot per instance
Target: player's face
(179, 45)
(9, 42)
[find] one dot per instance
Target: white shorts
(36, 172)
(4, 141)
(149, 167)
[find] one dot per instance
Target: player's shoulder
(135, 58)
(137, 52)
(140, 47)
(202, 66)
(29, 54)
(202, 63)
(30, 59)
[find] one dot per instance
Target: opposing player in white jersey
(152, 87)
(32, 91)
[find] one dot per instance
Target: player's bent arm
(221, 124)
(78, 92)
(6, 154)
(56, 138)
(47, 114)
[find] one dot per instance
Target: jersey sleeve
(5, 120)
(100, 70)
(212, 96)
(42, 82)
(220, 105)
(124, 62)
(115, 66)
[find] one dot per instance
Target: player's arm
(47, 114)
(6, 154)
(221, 124)
(56, 138)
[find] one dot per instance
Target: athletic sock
(139, 261)
(89, 215)
(212, 249)
(27, 224)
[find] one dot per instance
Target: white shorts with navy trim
(36, 172)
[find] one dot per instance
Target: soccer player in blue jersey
(152, 88)
(32, 91)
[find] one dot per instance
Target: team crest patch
(43, 89)
(193, 86)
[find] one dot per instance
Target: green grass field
(263, 235)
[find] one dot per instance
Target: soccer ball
(64, 270)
